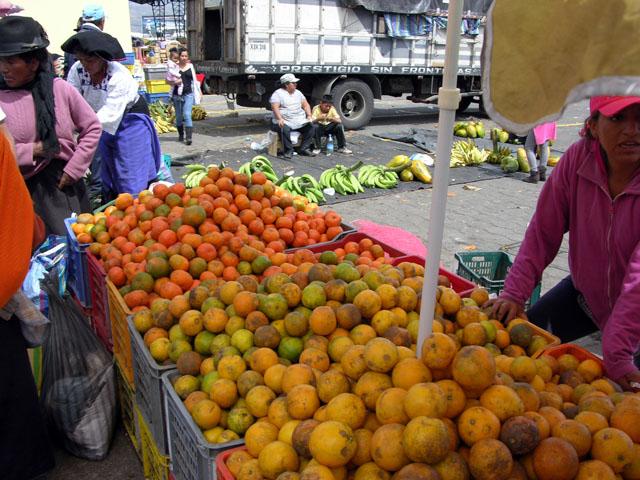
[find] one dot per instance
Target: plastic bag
(78, 385)
(50, 256)
(33, 324)
(265, 142)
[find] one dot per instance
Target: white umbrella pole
(448, 101)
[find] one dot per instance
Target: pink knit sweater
(73, 115)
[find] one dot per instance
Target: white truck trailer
(356, 50)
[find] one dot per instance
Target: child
(173, 70)
(327, 122)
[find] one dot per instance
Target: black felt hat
(21, 35)
(94, 42)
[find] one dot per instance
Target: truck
(355, 50)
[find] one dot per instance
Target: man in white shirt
(291, 113)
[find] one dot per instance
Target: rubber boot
(533, 177)
(189, 134)
(543, 173)
(180, 133)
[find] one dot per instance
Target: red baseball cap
(609, 106)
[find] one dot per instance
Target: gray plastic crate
(192, 457)
(147, 376)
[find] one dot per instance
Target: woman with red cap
(594, 194)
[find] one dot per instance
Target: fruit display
(498, 154)
(163, 117)
(553, 160)
(259, 163)
(377, 176)
(411, 168)
(471, 129)
(399, 163)
(342, 179)
(163, 242)
(499, 135)
(305, 185)
(465, 153)
(194, 174)
(510, 164)
(198, 113)
(319, 375)
(523, 163)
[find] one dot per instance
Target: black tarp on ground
(367, 149)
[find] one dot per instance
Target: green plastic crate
(489, 270)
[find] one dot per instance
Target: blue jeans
(183, 105)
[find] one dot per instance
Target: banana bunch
(163, 126)
(377, 176)
(497, 154)
(342, 179)
(259, 163)
(466, 153)
(162, 116)
(198, 113)
(194, 174)
(304, 185)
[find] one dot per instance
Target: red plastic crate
(99, 301)
(222, 472)
(569, 348)
(460, 285)
(354, 237)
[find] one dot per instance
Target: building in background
(59, 21)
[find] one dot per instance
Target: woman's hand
(631, 381)
(38, 150)
(65, 181)
(504, 309)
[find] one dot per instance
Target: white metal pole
(448, 101)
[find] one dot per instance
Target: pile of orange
(317, 371)
(179, 236)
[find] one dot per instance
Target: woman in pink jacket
(594, 194)
(55, 130)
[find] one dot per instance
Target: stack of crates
(150, 450)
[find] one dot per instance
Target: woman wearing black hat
(129, 145)
(43, 116)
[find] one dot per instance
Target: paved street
(494, 217)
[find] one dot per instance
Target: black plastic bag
(78, 385)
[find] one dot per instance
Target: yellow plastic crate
(156, 465)
(128, 410)
(118, 313)
(157, 86)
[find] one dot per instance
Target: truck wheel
(464, 104)
(353, 100)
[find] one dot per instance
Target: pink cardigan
(604, 249)
(73, 114)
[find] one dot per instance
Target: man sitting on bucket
(291, 113)
(327, 122)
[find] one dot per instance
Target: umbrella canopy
(94, 42)
(538, 59)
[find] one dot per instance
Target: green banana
(377, 176)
